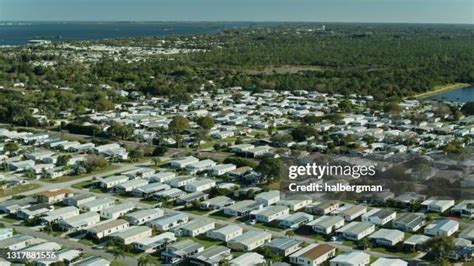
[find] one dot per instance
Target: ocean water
(457, 95)
(19, 33)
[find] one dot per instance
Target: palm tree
(116, 252)
(146, 259)
(290, 233)
(156, 160)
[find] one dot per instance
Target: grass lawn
(116, 263)
(10, 220)
(87, 242)
(236, 254)
(195, 211)
(84, 184)
(18, 189)
(349, 244)
(203, 241)
(220, 216)
(268, 227)
(73, 177)
(150, 201)
(373, 259)
(319, 237)
(406, 255)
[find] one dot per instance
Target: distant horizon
(328, 11)
(231, 21)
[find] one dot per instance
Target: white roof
(228, 229)
(355, 258)
(248, 259)
(389, 262)
(119, 207)
(268, 195)
(157, 238)
(389, 234)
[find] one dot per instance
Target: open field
(18, 190)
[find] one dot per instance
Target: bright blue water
(458, 95)
(16, 33)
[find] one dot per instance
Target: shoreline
(440, 89)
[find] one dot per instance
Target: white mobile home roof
(78, 220)
(115, 178)
(153, 187)
(157, 238)
(185, 161)
(131, 231)
(250, 258)
(59, 213)
(355, 257)
(119, 207)
(143, 213)
(97, 202)
(250, 237)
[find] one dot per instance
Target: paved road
(50, 185)
(74, 245)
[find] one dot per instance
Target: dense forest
(388, 61)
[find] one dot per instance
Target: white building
(387, 237)
(355, 258)
(268, 198)
(379, 217)
(116, 211)
(225, 233)
(356, 230)
(327, 224)
(143, 216)
(183, 162)
(270, 213)
(81, 221)
(195, 227)
(249, 241)
(112, 181)
(132, 234)
(96, 205)
(221, 169)
(443, 227)
(107, 227)
(436, 205)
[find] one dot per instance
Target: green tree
(119, 131)
(11, 147)
(177, 126)
(302, 133)
(160, 151)
(94, 162)
(136, 154)
(181, 98)
(311, 119)
(345, 105)
(205, 122)
(440, 245)
(468, 108)
(272, 168)
(392, 108)
(63, 160)
(281, 138)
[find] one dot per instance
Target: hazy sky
(432, 11)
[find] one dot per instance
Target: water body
(457, 95)
(19, 33)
